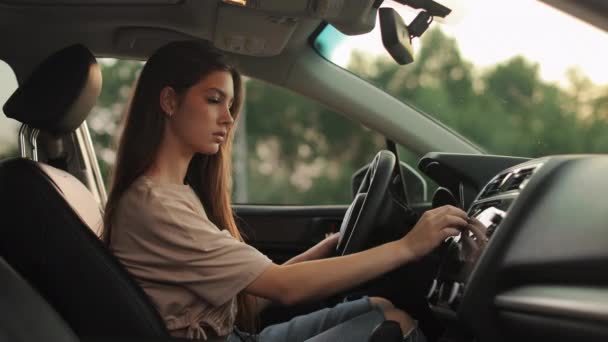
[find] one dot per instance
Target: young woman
(169, 219)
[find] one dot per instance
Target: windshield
(520, 79)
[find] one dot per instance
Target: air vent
(518, 180)
(494, 186)
(509, 181)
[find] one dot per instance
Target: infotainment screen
(490, 218)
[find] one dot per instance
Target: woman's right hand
(433, 227)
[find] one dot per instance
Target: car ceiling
(32, 29)
(595, 12)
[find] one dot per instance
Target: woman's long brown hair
(179, 65)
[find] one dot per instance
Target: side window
(105, 119)
(9, 128)
(290, 150)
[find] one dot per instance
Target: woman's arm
(309, 280)
(321, 250)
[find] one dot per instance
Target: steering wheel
(362, 214)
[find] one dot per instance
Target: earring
(170, 114)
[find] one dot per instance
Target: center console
(540, 274)
(459, 257)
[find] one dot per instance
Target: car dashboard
(541, 273)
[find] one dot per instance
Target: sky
(491, 31)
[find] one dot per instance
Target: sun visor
(254, 33)
(349, 17)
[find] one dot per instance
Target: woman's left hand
(324, 248)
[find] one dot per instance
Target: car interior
(540, 276)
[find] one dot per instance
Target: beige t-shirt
(191, 270)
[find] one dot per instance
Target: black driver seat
(49, 216)
(17, 305)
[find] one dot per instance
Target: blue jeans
(350, 321)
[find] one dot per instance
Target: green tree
(105, 120)
(508, 109)
(300, 151)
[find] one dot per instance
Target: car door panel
(282, 232)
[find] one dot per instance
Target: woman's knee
(406, 322)
(381, 303)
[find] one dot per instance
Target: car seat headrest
(59, 94)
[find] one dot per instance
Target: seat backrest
(48, 215)
(25, 315)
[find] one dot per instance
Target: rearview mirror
(395, 36)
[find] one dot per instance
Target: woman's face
(202, 116)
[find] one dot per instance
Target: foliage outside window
(105, 119)
(299, 152)
(507, 107)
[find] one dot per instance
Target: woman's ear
(168, 100)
